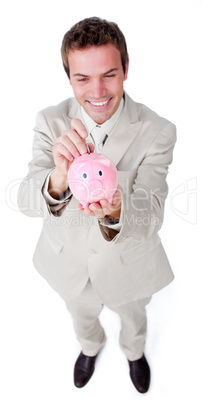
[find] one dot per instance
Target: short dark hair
(93, 32)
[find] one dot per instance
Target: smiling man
(105, 254)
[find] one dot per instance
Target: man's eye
(110, 75)
(82, 79)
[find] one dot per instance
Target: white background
(38, 346)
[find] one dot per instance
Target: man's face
(96, 76)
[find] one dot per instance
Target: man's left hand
(103, 207)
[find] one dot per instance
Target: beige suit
(124, 266)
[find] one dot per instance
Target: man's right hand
(66, 148)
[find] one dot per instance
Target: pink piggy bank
(92, 177)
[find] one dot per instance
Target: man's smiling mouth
(99, 104)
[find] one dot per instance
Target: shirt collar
(108, 125)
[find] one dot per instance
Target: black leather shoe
(83, 370)
(140, 374)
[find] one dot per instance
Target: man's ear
(126, 71)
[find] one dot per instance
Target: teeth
(99, 103)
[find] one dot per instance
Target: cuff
(50, 200)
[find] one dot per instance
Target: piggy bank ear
(106, 162)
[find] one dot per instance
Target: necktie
(98, 136)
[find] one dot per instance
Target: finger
(91, 147)
(97, 210)
(86, 210)
(104, 204)
(77, 141)
(111, 210)
(78, 126)
(60, 151)
(70, 139)
(107, 208)
(74, 142)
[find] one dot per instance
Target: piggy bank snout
(95, 184)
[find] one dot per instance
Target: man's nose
(98, 89)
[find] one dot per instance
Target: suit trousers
(85, 310)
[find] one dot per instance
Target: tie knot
(99, 137)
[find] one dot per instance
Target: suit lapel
(124, 132)
(119, 141)
(73, 112)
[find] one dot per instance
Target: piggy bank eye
(100, 173)
(85, 175)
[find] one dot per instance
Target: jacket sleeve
(143, 208)
(31, 199)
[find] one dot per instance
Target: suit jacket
(123, 266)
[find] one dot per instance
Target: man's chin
(99, 116)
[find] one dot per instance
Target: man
(105, 254)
